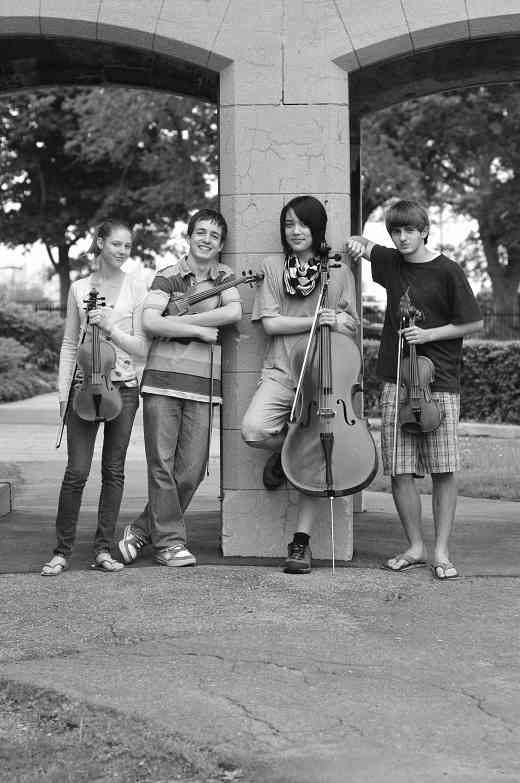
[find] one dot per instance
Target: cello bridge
(326, 413)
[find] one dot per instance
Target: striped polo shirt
(183, 367)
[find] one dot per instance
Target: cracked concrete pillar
(283, 132)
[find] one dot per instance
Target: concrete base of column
(257, 523)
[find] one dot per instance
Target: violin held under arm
(184, 302)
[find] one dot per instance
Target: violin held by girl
(103, 344)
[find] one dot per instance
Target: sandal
(445, 570)
(55, 566)
(105, 562)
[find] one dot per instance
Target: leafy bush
(490, 381)
(12, 354)
(40, 332)
(20, 384)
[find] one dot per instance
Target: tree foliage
(460, 149)
(70, 157)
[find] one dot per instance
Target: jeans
(176, 443)
(81, 437)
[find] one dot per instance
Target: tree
(69, 157)
(462, 149)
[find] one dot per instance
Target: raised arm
(359, 247)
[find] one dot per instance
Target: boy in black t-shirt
(438, 289)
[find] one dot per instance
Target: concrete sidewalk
(364, 676)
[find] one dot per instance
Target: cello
(329, 450)
(97, 398)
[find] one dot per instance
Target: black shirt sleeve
(383, 261)
(464, 307)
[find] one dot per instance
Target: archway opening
(453, 110)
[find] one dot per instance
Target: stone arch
(444, 67)
(27, 62)
(282, 70)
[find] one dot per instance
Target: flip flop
(440, 571)
(105, 562)
(55, 566)
(408, 562)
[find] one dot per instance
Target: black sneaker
(273, 475)
(298, 559)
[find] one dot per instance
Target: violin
(418, 412)
(328, 450)
(97, 399)
(204, 291)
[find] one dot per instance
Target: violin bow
(305, 362)
(405, 305)
(63, 419)
(210, 423)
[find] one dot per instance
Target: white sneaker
(176, 555)
(131, 544)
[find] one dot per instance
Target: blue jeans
(81, 437)
(176, 443)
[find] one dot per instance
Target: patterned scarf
(297, 280)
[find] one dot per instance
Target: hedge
(20, 384)
(40, 332)
(490, 381)
(29, 351)
(30, 344)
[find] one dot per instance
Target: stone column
(284, 131)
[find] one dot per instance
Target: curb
(474, 428)
(6, 505)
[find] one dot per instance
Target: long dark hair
(312, 213)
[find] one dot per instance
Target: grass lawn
(490, 468)
(48, 738)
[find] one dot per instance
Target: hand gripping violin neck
(97, 399)
(328, 450)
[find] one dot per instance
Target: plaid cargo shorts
(431, 452)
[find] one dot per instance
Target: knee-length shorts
(432, 452)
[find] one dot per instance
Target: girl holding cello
(430, 308)
(285, 304)
(98, 382)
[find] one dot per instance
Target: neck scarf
(300, 281)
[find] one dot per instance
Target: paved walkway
(365, 676)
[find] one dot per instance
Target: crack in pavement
(479, 702)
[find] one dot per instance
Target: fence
(48, 307)
(500, 326)
(497, 326)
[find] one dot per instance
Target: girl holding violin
(430, 308)
(98, 382)
(285, 304)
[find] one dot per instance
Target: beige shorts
(432, 452)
